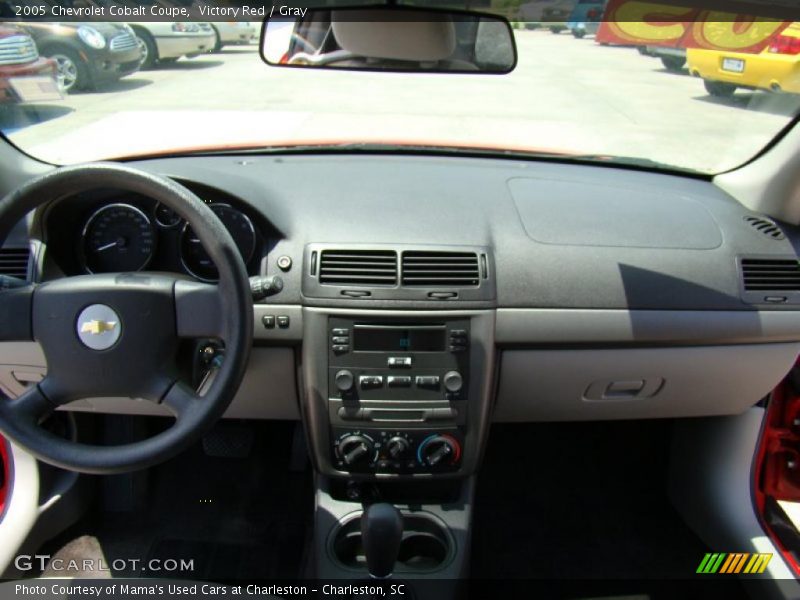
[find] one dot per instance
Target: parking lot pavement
(565, 95)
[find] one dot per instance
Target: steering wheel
(117, 335)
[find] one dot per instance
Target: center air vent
(771, 275)
(765, 227)
(434, 269)
(14, 262)
(358, 267)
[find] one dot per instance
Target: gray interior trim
(268, 391)
(710, 483)
(292, 333)
(637, 383)
(573, 326)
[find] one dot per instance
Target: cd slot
(393, 414)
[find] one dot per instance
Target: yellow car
(776, 68)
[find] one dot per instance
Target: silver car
(230, 33)
(167, 42)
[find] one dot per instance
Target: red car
(24, 75)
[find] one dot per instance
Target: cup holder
(426, 544)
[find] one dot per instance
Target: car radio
(392, 385)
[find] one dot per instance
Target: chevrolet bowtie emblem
(96, 326)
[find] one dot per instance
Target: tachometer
(118, 237)
(196, 260)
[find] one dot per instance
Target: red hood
(328, 144)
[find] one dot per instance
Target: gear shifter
(381, 533)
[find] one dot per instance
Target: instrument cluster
(110, 233)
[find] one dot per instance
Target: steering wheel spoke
(31, 407)
(181, 400)
(16, 314)
(198, 310)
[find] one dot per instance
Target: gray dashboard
(597, 277)
(562, 236)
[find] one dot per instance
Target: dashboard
(423, 297)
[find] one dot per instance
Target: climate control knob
(344, 380)
(397, 447)
(453, 382)
(355, 449)
(439, 450)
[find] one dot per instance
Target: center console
(394, 394)
(397, 391)
(396, 407)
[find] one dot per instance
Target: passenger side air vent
(434, 269)
(14, 262)
(770, 275)
(765, 227)
(358, 267)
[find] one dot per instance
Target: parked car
(231, 33)
(163, 42)
(24, 75)
(585, 17)
(87, 55)
(554, 14)
(546, 13)
(673, 59)
(776, 68)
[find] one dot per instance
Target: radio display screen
(399, 339)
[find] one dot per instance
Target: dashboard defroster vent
(770, 275)
(14, 262)
(435, 269)
(765, 227)
(358, 267)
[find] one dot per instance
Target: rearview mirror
(393, 38)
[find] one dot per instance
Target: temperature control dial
(355, 449)
(438, 451)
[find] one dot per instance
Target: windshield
(102, 90)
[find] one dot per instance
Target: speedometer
(118, 238)
(194, 257)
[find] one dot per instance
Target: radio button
(399, 380)
(340, 332)
(428, 381)
(398, 361)
(341, 340)
(343, 380)
(368, 382)
(340, 348)
(453, 381)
